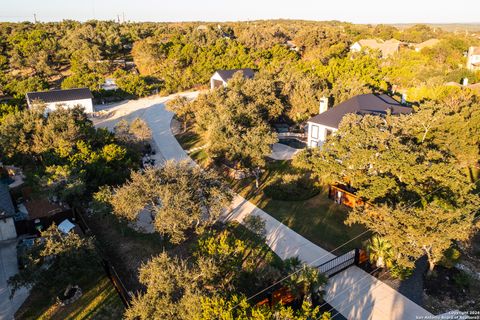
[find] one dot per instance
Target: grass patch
(99, 301)
(318, 219)
(189, 140)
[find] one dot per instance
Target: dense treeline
(304, 59)
(64, 155)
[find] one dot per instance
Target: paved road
(354, 293)
(8, 268)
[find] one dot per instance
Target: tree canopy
(419, 187)
(180, 196)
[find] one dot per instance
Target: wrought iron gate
(340, 263)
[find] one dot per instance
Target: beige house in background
(425, 44)
(473, 58)
(387, 48)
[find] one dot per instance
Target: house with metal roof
(221, 77)
(68, 98)
(328, 120)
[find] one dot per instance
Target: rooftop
(426, 44)
(370, 103)
(59, 95)
(474, 51)
(228, 74)
(388, 47)
(6, 204)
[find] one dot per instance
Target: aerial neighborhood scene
(224, 160)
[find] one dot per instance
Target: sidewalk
(353, 292)
(8, 268)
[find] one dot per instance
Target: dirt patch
(451, 289)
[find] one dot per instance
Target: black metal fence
(340, 263)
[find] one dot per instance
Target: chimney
(404, 98)
(323, 105)
(465, 82)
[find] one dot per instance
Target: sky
(356, 11)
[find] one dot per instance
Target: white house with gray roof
(328, 120)
(66, 98)
(220, 77)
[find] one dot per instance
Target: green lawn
(318, 219)
(99, 301)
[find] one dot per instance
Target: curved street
(353, 292)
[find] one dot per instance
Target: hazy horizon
(360, 12)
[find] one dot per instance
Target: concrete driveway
(8, 268)
(354, 293)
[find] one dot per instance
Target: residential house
(221, 77)
(387, 48)
(292, 46)
(328, 120)
(425, 44)
(65, 98)
(7, 212)
(473, 58)
(37, 212)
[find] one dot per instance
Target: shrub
(399, 272)
(462, 280)
(450, 257)
(292, 187)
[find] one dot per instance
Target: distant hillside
(451, 27)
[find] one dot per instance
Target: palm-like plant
(305, 281)
(380, 252)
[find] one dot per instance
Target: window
(328, 132)
(314, 133)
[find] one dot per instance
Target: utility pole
(35, 17)
(118, 18)
(123, 16)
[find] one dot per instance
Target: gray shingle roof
(60, 95)
(228, 74)
(6, 204)
(362, 104)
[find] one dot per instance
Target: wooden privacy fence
(342, 195)
(117, 283)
